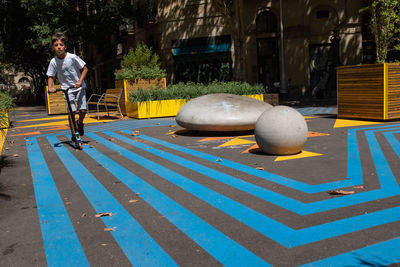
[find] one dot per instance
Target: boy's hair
(59, 36)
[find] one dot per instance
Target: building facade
(195, 43)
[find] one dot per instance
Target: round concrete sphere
(281, 130)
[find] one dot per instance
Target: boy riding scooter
(71, 71)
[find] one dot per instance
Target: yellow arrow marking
(349, 123)
(302, 154)
(237, 141)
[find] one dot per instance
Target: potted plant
(140, 68)
(371, 91)
(153, 102)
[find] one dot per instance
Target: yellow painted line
(64, 122)
(237, 141)
(350, 123)
(302, 154)
(30, 133)
(47, 118)
(3, 133)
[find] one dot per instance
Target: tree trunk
(239, 71)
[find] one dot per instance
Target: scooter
(77, 143)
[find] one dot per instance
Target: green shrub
(192, 90)
(140, 63)
(6, 104)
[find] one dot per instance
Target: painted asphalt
(149, 193)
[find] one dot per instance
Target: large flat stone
(221, 112)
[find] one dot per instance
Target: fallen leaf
(109, 229)
(135, 133)
(340, 192)
(174, 136)
(260, 168)
(158, 123)
(83, 215)
(103, 244)
(218, 160)
(133, 200)
(359, 187)
(91, 146)
(172, 126)
(6, 148)
(102, 214)
(68, 203)
(15, 155)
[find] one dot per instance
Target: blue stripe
(261, 223)
(381, 254)
(386, 177)
(265, 194)
(393, 141)
(61, 243)
(353, 165)
(136, 243)
(221, 247)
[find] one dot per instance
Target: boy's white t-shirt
(68, 70)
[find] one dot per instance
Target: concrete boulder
(221, 112)
(281, 130)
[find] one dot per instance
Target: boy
(71, 71)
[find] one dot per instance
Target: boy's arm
(83, 75)
(50, 84)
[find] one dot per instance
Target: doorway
(268, 63)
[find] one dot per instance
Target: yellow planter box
(370, 91)
(133, 85)
(4, 124)
(4, 120)
(55, 102)
(162, 108)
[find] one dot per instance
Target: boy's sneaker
(73, 138)
(80, 128)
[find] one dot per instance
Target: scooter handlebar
(59, 90)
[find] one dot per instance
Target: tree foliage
(26, 27)
(385, 25)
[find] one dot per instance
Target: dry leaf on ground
(102, 214)
(109, 229)
(260, 168)
(133, 200)
(340, 192)
(359, 187)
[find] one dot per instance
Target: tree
(26, 27)
(231, 13)
(385, 25)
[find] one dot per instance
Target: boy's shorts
(79, 97)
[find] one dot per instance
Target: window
(323, 14)
(266, 22)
